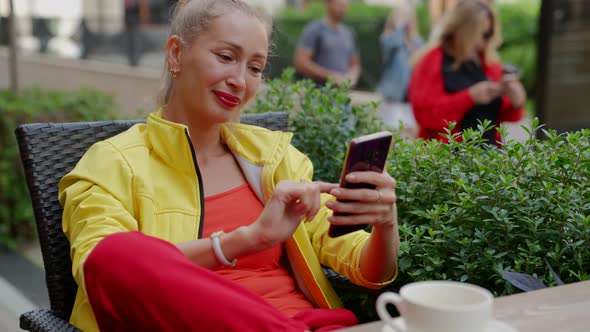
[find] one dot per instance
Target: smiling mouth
(226, 99)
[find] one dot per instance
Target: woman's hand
(514, 91)
(289, 204)
(366, 206)
(484, 92)
(378, 261)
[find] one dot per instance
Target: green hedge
(519, 21)
(466, 210)
(35, 105)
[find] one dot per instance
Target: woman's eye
(224, 57)
(256, 70)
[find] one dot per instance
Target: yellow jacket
(146, 179)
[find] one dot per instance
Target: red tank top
(261, 272)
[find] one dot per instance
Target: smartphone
(364, 153)
(510, 73)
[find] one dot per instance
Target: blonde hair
(402, 13)
(193, 17)
(459, 30)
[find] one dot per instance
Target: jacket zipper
(200, 183)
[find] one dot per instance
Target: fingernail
(351, 176)
(336, 192)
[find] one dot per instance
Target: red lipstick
(226, 99)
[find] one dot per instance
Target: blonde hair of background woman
(191, 18)
(462, 23)
(402, 13)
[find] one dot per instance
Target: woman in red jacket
(459, 78)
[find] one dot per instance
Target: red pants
(140, 283)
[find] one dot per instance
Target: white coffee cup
(439, 306)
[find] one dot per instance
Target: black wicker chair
(49, 151)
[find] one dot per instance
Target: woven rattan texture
(45, 320)
(272, 121)
(48, 152)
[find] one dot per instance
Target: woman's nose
(237, 78)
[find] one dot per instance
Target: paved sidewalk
(22, 285)
(12, 304)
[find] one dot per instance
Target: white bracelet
(218, 252)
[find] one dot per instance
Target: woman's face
(485, 34)
(220, 71)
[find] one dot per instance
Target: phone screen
(510, 73)
(365, 153)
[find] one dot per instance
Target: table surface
(557, 309)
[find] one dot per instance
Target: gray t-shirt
(333, 48)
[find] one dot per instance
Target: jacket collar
(258, 151)
(169, 141)
(258, 146)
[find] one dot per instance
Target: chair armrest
(44, 320)
(341, 282)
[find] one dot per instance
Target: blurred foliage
(520, 37)
(28, 106)
(356, 10)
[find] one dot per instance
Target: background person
(327, 48)
(192, 223)
(459, 77)
(437, 8)
(400, 39)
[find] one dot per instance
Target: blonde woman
(191, 222)
(459, 77)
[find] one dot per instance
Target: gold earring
(173, 73)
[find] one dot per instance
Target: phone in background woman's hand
(510, 73)
(511, 86)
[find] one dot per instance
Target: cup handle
(382, 301)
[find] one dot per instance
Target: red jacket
(434, 108)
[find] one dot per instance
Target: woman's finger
(360, 219)
(359, 207)
(326, 187)
(382, 196)
(373, 178)
(310, 198)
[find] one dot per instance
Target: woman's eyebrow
(241, 49)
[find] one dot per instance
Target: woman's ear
(174, 52)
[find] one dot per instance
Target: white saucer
(493, 326)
